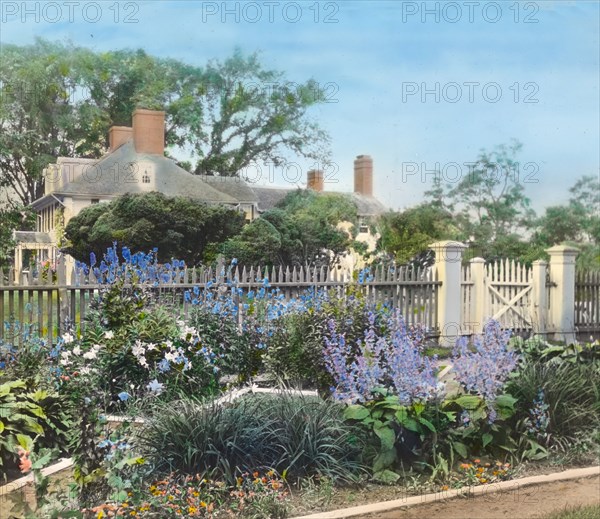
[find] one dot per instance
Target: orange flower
(255, 474)
(465, 466)
(25, 464)
(477, 461)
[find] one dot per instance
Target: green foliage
(294, 435)
(434, 434)
(571, 390)
(27, 417)
(536, 349)
(294, 352)
(302, 230)
(409, 233)
(11, 219)
(180, 227)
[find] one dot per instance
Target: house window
(145, 178)
(363, 227)
(95, 200)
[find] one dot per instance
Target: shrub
(570, 391)
(292, 435)
(27, 417)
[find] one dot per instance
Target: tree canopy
(302, 230)
(181, 228)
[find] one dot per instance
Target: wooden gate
(510, 286)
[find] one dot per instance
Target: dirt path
(534, 501)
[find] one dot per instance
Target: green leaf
(41, 462)
(505, 401)
(356, 412)
(486, 439)
(387, 437)
(411, 424)
(460, 448)
(427, 424)
(419, 408)
(386, 476)
(469, 402)
(1, 426)
(401, 415)
(384, 460)
(24, 441)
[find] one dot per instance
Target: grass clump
(297, 436)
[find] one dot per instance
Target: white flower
(171, 356)
(85, 370)
(109, 334)
(143, 362)
(76, 350)
(90, 355)
(65, 362)
(68, 338)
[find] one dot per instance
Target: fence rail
(449, 299)
(48, 301)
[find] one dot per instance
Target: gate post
(539, 300)
(448, 265)
(479, 295)
(562, 296)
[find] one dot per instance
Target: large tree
(488, 203)
(181, 228)
(577, 223)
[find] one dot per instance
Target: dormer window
(145, 178)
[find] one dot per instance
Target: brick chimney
(118, 135)
(363, 175)
(149, 131)
(314, 180)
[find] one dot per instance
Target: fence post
(478, 295)
(62, 294)
(562, 296)
(539, 301)
(448, 265)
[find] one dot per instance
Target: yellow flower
(202, 504)
(192, 510)
(195, 493)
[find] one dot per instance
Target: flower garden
(343, 396)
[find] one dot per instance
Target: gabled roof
(368, 205)
(269, 197)
(235, 187)
(122, 171)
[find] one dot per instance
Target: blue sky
(376, 57)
